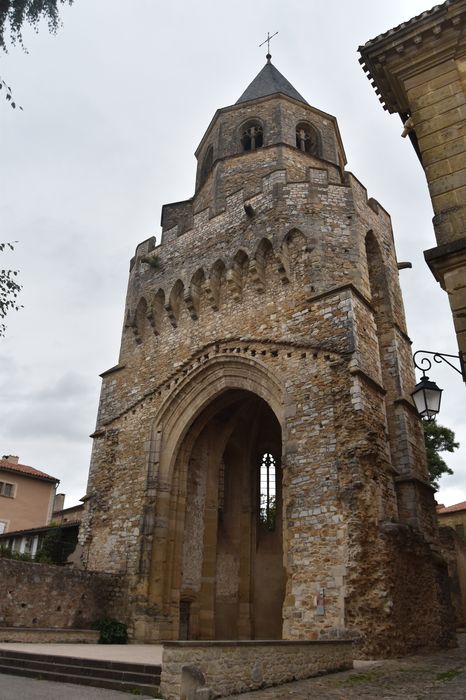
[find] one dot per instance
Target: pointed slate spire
(268, 82)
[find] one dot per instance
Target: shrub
(8, 553)
(111, 631)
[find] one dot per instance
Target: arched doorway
(231, 557)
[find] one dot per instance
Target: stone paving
(436, 675)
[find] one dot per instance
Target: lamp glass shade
(427, 397)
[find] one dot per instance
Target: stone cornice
(413, 47)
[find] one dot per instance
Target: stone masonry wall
(279, 117)
(281, 283)
(403, 591)
(41, 595)
(454, 551)
(230, 668)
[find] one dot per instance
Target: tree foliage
(55, 547)
(9, 290)
(14, 14)
(438, 438)
(111, 631)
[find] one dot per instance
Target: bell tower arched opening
(231, 572)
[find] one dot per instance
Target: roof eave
(393, 56)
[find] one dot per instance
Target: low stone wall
(48, 635)
(454, 551)
(41, 595)
(192, 670)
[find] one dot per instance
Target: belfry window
(268, 492)
(307, 139)
(252, 136)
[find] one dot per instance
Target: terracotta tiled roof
(36, 530)
(25, 470)
(452, 509)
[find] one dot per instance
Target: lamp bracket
(425, 363)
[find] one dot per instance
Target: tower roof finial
(267, 41)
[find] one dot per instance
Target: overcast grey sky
(114, 107)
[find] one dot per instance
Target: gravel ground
(437, 675)
(19, 688)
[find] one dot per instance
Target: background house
(454, 516)
(27, 495)
(65, 523)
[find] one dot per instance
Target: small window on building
(3, 526)
(307, 139)
(460, 530)
(6, 489)
(252, 136)
(267, 488)
(28, 544)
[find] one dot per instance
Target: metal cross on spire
(267, 41)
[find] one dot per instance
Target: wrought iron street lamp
(427, 395)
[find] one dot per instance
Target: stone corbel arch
(190, 399)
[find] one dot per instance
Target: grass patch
(449, 675)
(355, 679)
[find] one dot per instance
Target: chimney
(13, 459)
(59, 502)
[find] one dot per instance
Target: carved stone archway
(211, 435)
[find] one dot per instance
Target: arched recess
(206, 166)
(225, 416)
(380, 302)
(193, 294)
(175, 301)
(140, 320)
(258, 265)
(385, 341)
(157, 312)
(295, 253)
(215, 284)
(237, 274)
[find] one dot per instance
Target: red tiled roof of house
(43, 528)
(26, 471)
(453, 508)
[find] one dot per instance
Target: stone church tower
(258, 469)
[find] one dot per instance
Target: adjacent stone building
(258, 469)
(418, 70)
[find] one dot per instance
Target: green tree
(14, 14)
(9, 290)
(438, 438)
(52, 548)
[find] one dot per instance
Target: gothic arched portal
(228, 564)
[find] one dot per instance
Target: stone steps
(116, 675)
